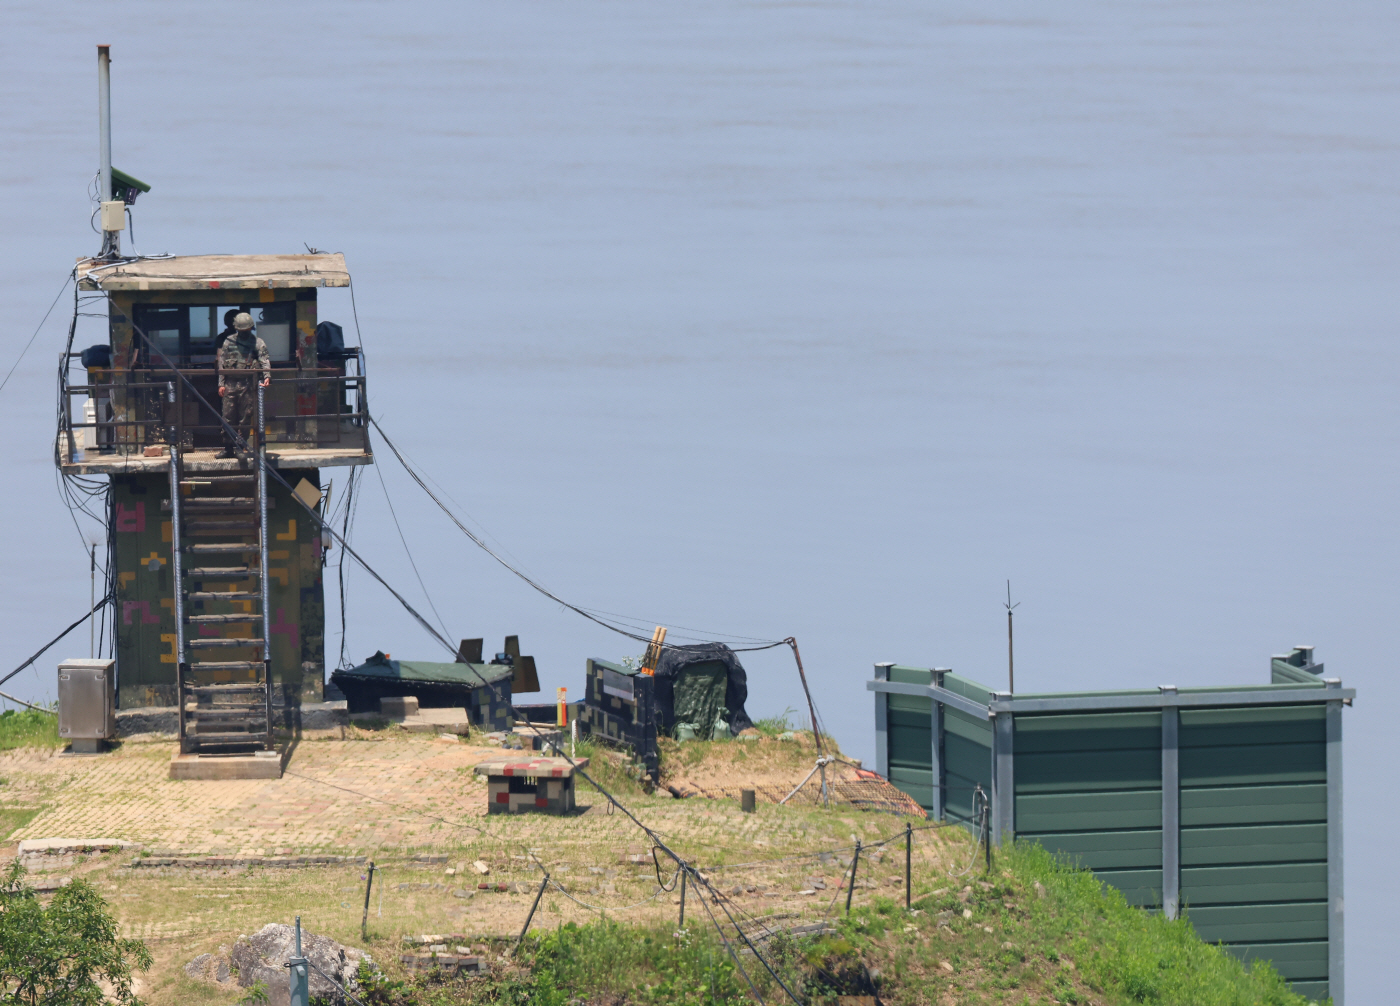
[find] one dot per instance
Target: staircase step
(227, 689)
(216, 572)
(227, 740)
(232, 546)
(221, 525)
(214, 502)
(226, 665)
(223, 595)
(221, 619)
(214, 644)
(206, 479)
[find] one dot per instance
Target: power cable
(406, 551)
(45, 648)
(68, 279)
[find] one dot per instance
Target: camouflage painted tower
(217, 560)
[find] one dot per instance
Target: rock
(946, 966)
(221, 972)
(816, 883)
(260, 958)
(967, 913)
(986, 929)
(1008, 945)
(1039, 889)
(199, 967)
(462, 892)
(481, 868)
(945, 917)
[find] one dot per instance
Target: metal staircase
(220, 520)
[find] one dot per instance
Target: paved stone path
(334, 795)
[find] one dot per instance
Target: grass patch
(14, 818)
(772, 726)
(28, 728)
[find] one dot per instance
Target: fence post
(526, 928)
(855, 865)
(298, 980)
(908, 857)
(682, 922)
(364, 919)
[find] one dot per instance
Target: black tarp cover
(674, 662)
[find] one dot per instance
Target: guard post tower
(218, 607)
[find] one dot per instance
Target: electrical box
(114, 215)
(87, 703)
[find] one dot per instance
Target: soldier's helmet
(243, 322)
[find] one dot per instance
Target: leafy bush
(61, 955)
(21, 728)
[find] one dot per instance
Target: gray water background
(819, 319)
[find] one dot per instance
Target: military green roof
(471, 675)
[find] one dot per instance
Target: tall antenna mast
(111, 238)
(1010, 642)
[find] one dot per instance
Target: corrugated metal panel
(1254, 833)
(1089, 787)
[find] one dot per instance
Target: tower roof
(215, 272)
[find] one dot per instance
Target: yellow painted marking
(168, 658)
(165, 530)
(265, 296)
(291, 535)
(280, 554)
(280, 573)
(168, 602)
(146, 561)
(123, 579)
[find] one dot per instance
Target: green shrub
(20, 728)
(62, 954)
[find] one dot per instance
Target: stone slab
(63, 846)
(148, 720)
(258, 765)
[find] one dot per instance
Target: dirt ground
(398, 798)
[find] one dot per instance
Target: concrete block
(394, 706)
(324, 715)
(148, 720)
(258, 765)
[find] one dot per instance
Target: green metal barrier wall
(1222, 803)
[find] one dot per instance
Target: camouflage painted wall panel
(145, 603)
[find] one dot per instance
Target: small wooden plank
(1260, 923)
(911, 675)
(1108, 850)
(1253, 764)
(1088, 732)
(1294, 803)
(1254, 725)
(1269, 843)
(1142, 888)
(1242, 885)
(1085, 771)
(1115, 810)
(1300, 960)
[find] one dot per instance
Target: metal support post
(851, 887)
(1171, 809)
(364, 919)
(1003, 810)
(908, 865)
(526, 928)
(263, 578)
(940, 792)
(1336, 905)
(681, 923)
(298, 977)
(882, 726)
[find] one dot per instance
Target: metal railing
(150, 406)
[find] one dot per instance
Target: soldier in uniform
(245, 352)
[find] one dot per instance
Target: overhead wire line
(406, 550)
(67, 279)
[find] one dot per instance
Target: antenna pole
(1010, 642)
(111, 241)
(92, 629)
